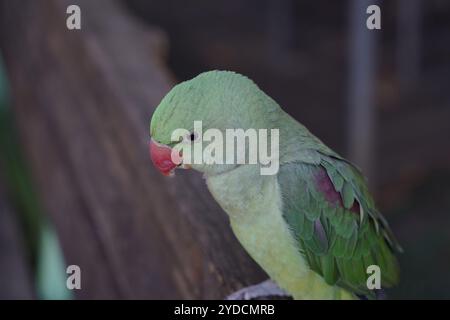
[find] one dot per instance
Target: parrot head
(219, 99)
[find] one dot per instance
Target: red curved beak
(161, 156)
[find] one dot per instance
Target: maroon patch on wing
(325, 185)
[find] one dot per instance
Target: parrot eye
(192, 136)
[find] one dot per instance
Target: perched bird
(313, 226)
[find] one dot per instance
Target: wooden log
(83, 100)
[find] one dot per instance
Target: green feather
(335, 241)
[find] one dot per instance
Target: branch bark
(83, 100)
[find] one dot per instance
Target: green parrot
(313, 226)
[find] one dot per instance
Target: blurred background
(76, 185)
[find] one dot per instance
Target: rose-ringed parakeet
(313, 226)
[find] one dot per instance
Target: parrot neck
(240, 191)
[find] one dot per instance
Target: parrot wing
(334, 221)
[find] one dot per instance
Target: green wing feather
(337, 242)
